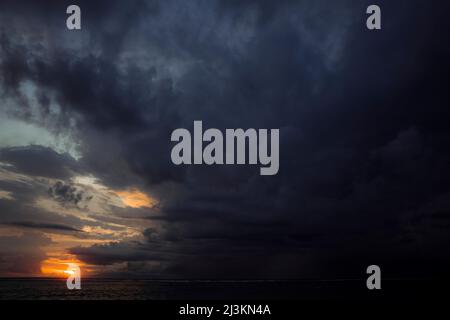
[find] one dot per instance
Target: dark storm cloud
(21, 214)
(116, 252)
(40, 161)
(22, 254)
(67, 193)
(363, 120)
(45, 226)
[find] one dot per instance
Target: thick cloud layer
(363, 119)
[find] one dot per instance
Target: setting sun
(54, 267)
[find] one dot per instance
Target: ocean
(119, 289)
(140, 289)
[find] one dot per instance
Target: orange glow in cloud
(54, 267)
(135, 199)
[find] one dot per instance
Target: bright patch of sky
(23, 123)
(18, 133)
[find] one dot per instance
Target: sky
(86, 118)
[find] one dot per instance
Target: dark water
(105, 289)
(93, 289)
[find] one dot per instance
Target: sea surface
(129, 289)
